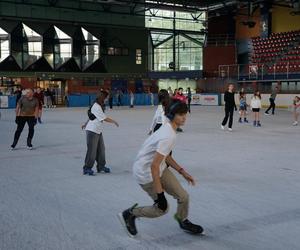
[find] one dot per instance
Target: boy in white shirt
(151, 172)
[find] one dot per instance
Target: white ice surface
(247, 194)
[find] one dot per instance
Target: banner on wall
(209, 100)
(3, 101)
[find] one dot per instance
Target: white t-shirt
(159, 117)
(96, 125)
(163, 142)
(255, 102)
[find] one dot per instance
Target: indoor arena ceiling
(193, 5)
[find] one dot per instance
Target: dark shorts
(242, 108)
(255, 110)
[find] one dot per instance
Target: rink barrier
(7, 102)
(84, 100)
(281, 101)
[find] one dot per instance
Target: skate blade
(121, 219)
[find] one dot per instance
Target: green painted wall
(68, 11)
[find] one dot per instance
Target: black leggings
(272, 106)
(228, 114)
(21, 123)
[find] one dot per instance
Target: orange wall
(283, 21)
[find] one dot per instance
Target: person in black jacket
(229, 107)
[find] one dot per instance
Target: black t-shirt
(229, 99)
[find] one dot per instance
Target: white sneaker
(230, 129)
(267, 113)
(295, 123)
(222, 127)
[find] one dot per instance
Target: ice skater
(256, 106)
(296, 110)
(272, 102)
(181, 98)
(26, 112)
(159, 118)
(243, 108)
(229, 107)
(94, 137)
(151, 172)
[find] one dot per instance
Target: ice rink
(247, 194)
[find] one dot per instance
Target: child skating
(243, 108)
(256, 106)
(296, 110)
(151, 172)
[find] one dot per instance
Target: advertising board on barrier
(205, 99)
(209, 100)
(3, 101)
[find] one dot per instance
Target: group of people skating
(255, 106)
(151, 168)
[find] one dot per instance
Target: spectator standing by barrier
(189, 98)
(119, 98)
(131, 98)
(40, 97)
(151, 98)
(94, 137)
(229, 107)
(256, 106)
(110, 98)
(18, 94)
(26, 112)
(48, 98)
(52, 96)
(296, 110)
(272, 102)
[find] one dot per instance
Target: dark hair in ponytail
(100, 98)
(164, 99)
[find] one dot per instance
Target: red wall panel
(214, 56)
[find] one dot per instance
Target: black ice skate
(128, 221)
(189, 227)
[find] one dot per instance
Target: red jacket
(181, 98)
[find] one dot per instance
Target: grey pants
(95, 150)
(171, 186)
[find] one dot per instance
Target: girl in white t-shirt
(256, 106)
(159, 118)
(94, 138)
(296, 110)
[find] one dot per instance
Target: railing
(220, 40)
(260, 71)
